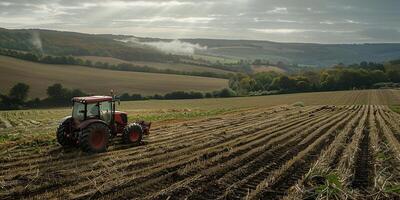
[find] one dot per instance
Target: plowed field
(280, 152)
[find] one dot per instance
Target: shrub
(298, 104)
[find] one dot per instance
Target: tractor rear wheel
(132, 134)
(95, 137)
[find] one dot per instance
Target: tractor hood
(120, 112)
(121, 117)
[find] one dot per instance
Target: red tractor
(94, 122)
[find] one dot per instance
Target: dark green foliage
(226, 92)
(394, 75)
(19, 92)
(184, 95)
(16, 97)
(58, 95)
(208, 95)
(357, 76)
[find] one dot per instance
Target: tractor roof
(92, 99)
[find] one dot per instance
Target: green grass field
(158, 65)
(97, 81)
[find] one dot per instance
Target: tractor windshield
(78, 111)
(105, 111)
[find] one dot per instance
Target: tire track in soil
(362, 177)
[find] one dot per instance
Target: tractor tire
(61, 136)
(94, 138)
(133, 134)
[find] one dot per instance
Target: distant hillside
(98, 81)
(300, 53)
(213, 50)
(75, 44)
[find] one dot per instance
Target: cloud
(6, 3)
(124, 4)
(382, 34)
(289, 31)
(278, 10)
(347, 21)
(256, 19)
(290, 20)
(278, 31)
(172, 47)
(202, 20)
(327, 22)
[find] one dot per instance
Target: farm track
(255, 154)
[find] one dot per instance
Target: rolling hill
(300, 53)
(138, 49)
(158, 65)
(97, 81)
(75, 44)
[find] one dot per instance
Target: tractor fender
(65, 119)
(90, 121)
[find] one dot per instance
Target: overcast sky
(322, 21)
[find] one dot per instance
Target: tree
(263, 80)
(58, 95)
(16, 97)
(125, 97)
(56, 91)
(378, 76)
(19, 92)
(226, 92)
(284, 83)
(393, 75)
(328, 81)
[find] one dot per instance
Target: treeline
(226, 92)
(239, 66)
(358, 76)
(57, 95)
(70, 60)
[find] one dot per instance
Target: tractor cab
(97, 107)
(94, 121)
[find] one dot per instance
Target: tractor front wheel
(132, 134)
(95, 138)
(62, 135)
